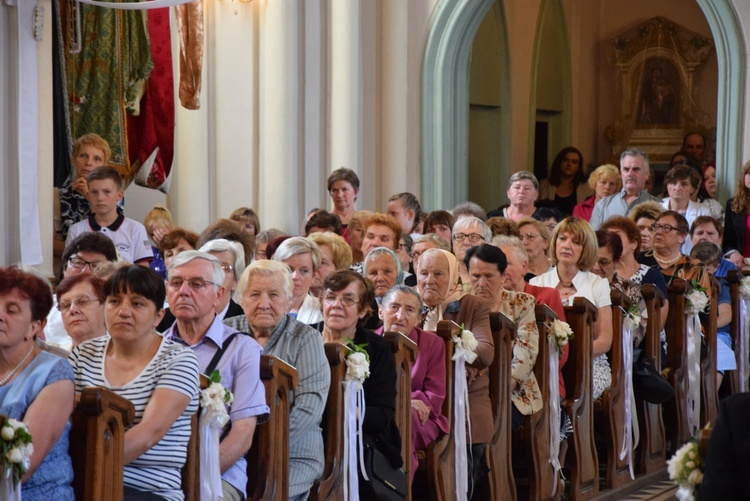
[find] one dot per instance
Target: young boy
(129, 237)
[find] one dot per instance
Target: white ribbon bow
(354, 416)
(628, 326)
(210, 425)
(554, 397)
(693, 370)
(461, 420)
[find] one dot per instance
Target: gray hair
(224, 245)
(388, 297)
(635, 152)
(469, 209)
(268, 268)
(515, 245)
(378, 251)
(183, 258)
(465, 222)
(299, 245)
(521, 175)
(435, 239)
(267, 236)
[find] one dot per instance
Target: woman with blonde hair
(735, 244)
(158, 222)
(335, 255)
(574, 252)
(605, 181)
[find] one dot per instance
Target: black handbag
(385, 481)
(648, 383)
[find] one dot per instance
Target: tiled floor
(663, 490)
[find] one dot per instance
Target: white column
(280, 108)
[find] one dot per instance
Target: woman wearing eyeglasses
(158, 375)
(468, 232)
(535, 237)
(670, 231)
(347, 297)
(80, 300)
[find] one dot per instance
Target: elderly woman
(468, 232)
(523, 190)
(266, 288)
(439, 222)
(427, 241)
(681, 183)
(644, 215)
(231, 255)
(347, 297)
(175, 241)
(262, 240)
(605, 181)
(383, 267)
(36, 387)
(487, 265)
(159, 376)
(438, 283)
(80, 299)
(670, 231)
(565, 185)
(574, 252)
(303, 258)
(335, 255)
(535, 237)
(401, 311)
(629, 272)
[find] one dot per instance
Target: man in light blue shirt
(634, 169)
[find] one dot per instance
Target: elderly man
(486, 264)
(634, 169)
(694, 144)
(265, 289)
(194, 290)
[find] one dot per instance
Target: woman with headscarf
(438, 283)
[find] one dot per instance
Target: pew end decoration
(465, 353)
(562, 333)
(687, 465)
(697, 302)
(16, 449)
(357, 371)
(214, 416)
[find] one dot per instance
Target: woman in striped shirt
(158, 376)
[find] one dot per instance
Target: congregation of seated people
(143, 309)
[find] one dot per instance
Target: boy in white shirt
(129, 236)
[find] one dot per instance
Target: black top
(566, 204)
(735, 227)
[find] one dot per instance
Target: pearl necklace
(666, 263)
(10, 374)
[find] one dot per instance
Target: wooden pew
(97, 444)
(739, 342)
(675, 411)
(709, 392)
(542, 477)
(584, 471)
(440, 455)
(652, 446)
(610, 409)
(330, 485)
(268, 458)
(498, 454)
(404, 356)
(191, 475)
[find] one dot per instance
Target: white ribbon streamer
(209, 430)
(554, 397)
(627, 359)
(153, 4)
(461, 420)
(354, 416)
(9, 491)
(693, 370)
(744, 365)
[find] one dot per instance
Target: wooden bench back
(97, 442)
(191, 474)
(739, 342)
(404, 356)
(613, 399)
(502, 483)
(652, 447)
(709, 391)
(330, 485)
(675, 411)
(536, 434)
(268, 458)
(584, 471)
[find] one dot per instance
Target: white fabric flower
(214, 399)
(745, 287)
(466, 343)
(7, 433)
(357, 367)
(14, 455)
(698, 301)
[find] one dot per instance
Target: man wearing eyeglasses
(82, 256)
(634, 169)
(194, 290)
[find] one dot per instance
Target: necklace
(10, 374)
(666, 263)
